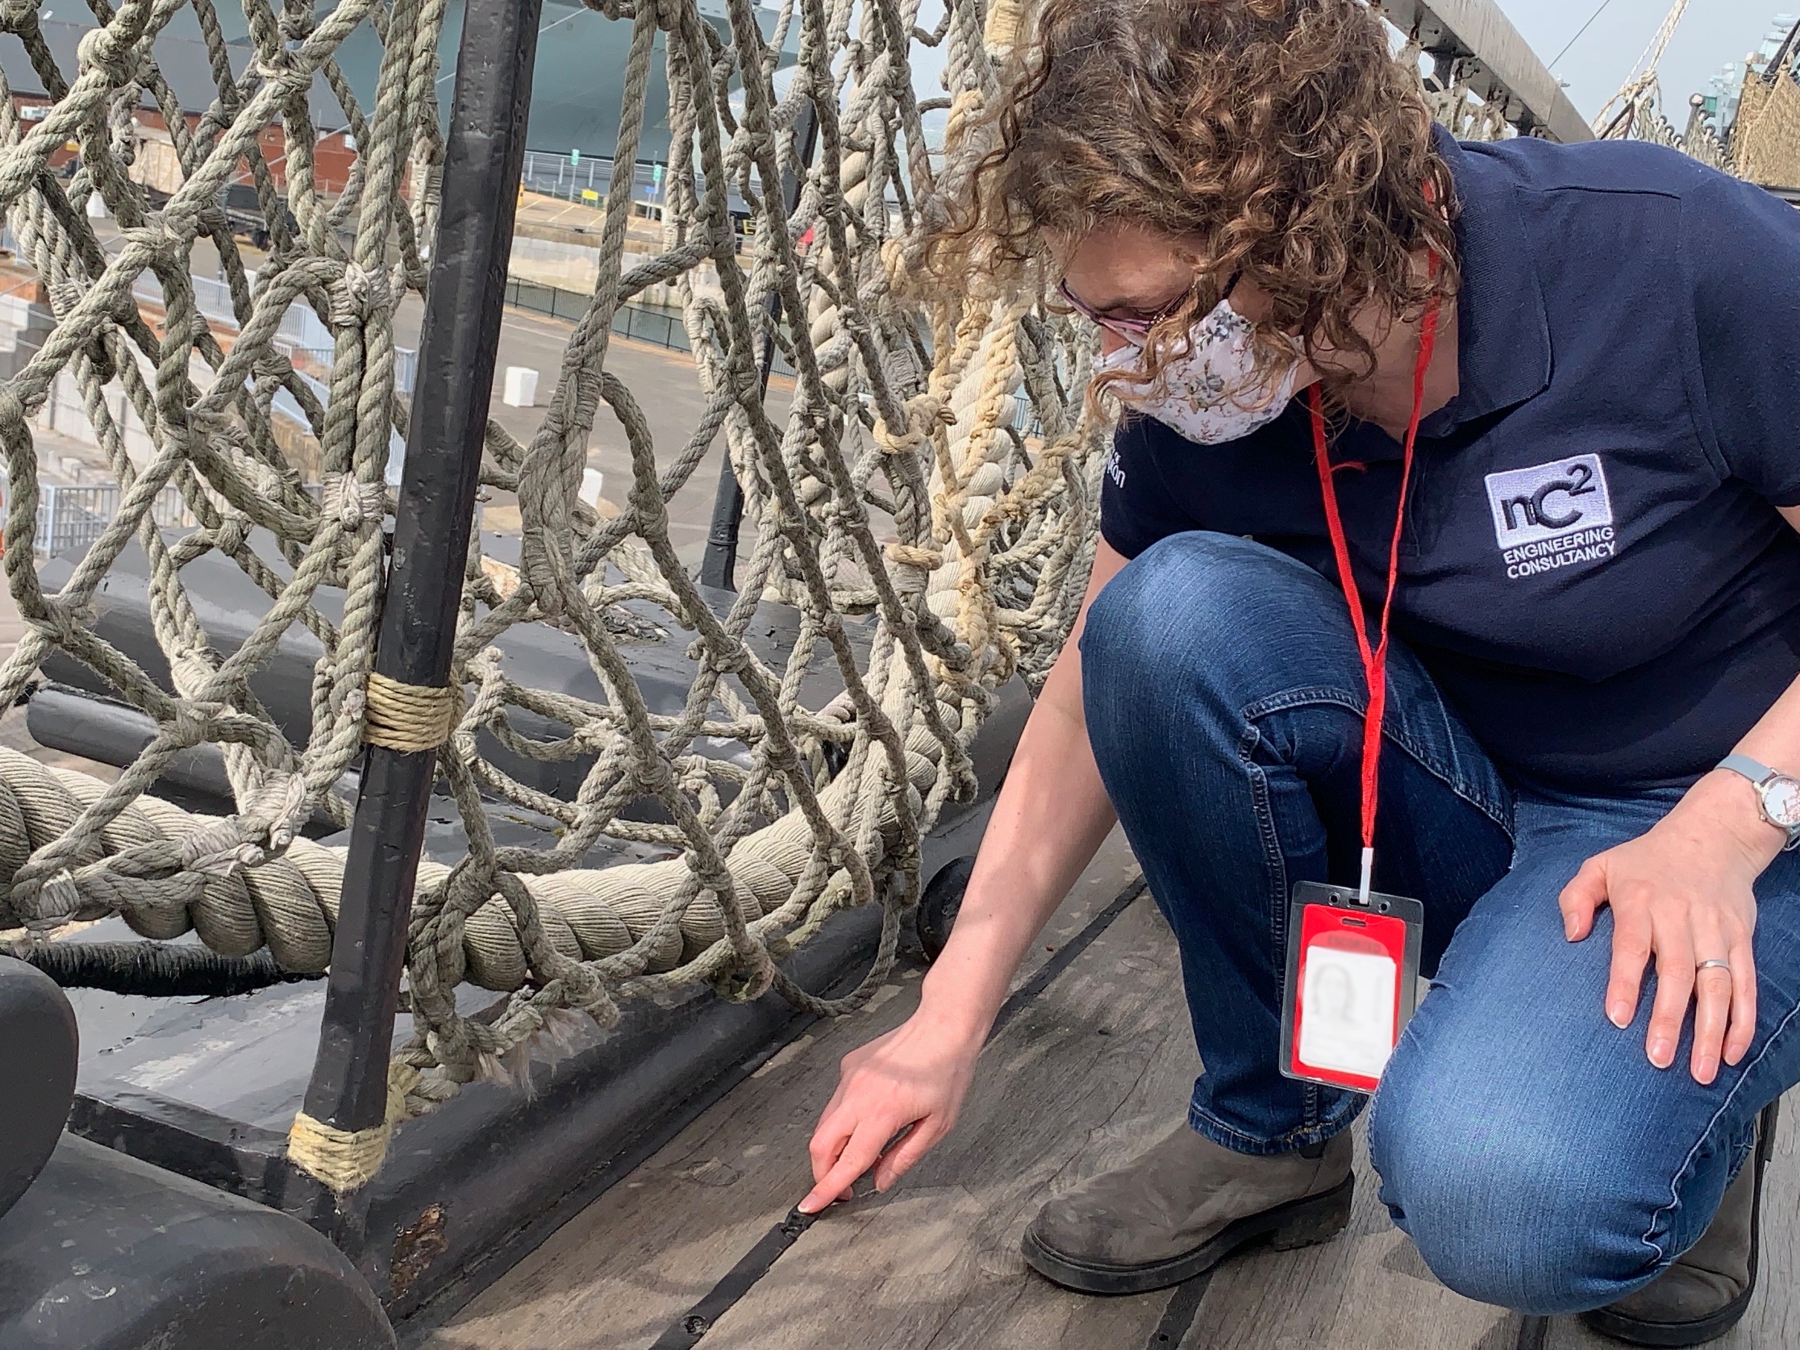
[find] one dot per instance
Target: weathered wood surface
(1098, 1064)
(623, 1269)
(1080, 1079)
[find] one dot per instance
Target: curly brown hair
(1280, 137)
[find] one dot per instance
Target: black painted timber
(105, 1252)
(459, 342)
(37, 1029)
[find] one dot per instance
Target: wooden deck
(1094, 1063)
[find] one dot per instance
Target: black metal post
(718, 568)
(457, 353)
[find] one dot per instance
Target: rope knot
(217, 849)
(271, 365)
(284, 68)
(233, 530)
(361, 294)
(931, 411)
(191, 671)
(59, 898)
(189, 723)
(100, 49)
(352, 503)
(282, 804)
(909, 555)
(158, 240)
(906, 442)
(924, 415)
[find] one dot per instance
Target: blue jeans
(1528, 1146)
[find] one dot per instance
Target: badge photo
(1352, 981)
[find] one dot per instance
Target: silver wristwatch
(1777, 794)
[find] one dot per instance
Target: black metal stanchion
(457, 352)
(718, 568)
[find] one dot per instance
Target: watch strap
(1755, 771)
(1759, 775)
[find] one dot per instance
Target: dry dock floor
(1094, 1062)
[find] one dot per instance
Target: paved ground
(666, 389)
(663, 382)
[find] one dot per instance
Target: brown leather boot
(1705, 1292)
(1183, 1206)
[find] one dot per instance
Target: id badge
(1352, 983)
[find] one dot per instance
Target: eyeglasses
(1135, 331)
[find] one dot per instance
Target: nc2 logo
(1548, 499)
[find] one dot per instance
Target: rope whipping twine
(899, 498)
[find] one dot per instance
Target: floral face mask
(1213, 388)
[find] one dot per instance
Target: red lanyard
(1374, 660)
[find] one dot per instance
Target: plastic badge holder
(1352, 983)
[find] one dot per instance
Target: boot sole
(1635, 1331)
(1298, 1223)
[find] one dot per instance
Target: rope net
(930, 548)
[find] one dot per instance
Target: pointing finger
(863, 1149)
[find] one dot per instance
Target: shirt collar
(1503, 330)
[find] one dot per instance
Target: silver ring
(1714, 961)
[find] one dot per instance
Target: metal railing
(588, 179)
(663, 328)
(70, 518)
(554, 176)
(302, 332)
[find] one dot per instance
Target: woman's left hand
(1682, 893)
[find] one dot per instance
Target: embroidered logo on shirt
(1115, 470)
(1552, 515)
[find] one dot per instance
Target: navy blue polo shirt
(1592, 567)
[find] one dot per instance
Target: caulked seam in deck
(686, 1331)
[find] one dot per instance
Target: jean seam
(1687, 1163)
(1271, 842)
(1296, 1136)
(1274, 901)
(1451, 778)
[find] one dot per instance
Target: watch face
(1781, 799)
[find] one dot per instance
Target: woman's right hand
(915, 1076)
(1047, 824)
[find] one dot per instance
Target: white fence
(302, 332)
(70, 518)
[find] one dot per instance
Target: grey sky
(1712, 32)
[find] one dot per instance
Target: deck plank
(1079, 1081)
(1086, 1075)
(1773, 1319)
(623, 1269)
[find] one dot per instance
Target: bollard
(520, 390)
